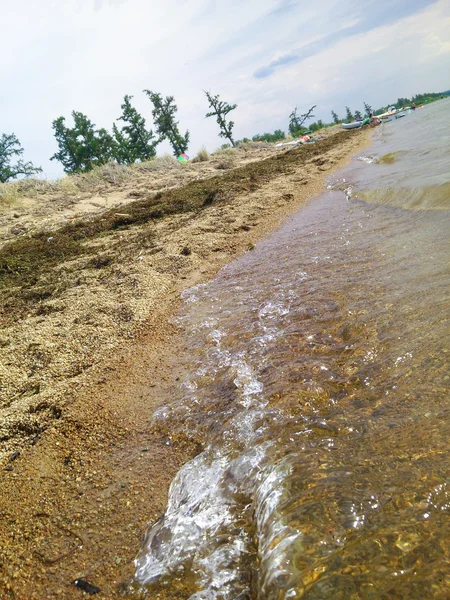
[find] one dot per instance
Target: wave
(433, 197)
(390, 157)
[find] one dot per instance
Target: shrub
(160, 163)
(225, 152)
(224, 165)
(8, 194)
(202, 156)
(111, 172)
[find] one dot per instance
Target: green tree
(134, 142)
(269, 137)
(358, 115)
(401, 102)
(82, 147)
(220, 110)
(335, 117)
(296, 122)
(9, 149)
(367, 109)
(349, 117)
(67, 144)
(164, 111)
(429, 97)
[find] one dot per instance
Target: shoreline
(76, 504)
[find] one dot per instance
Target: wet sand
(77, 493)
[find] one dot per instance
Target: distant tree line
(296, 128)
(401, 102)
(276, 136)
(82, 146)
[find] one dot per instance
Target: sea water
(317, 378)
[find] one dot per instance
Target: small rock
(14, 455)
(86, 586)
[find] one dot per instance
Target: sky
(267, 56)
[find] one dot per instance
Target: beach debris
(303, 139)
(14, 455)
(86, 586)
(283, 144)
(183, 157)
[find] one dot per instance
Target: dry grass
(246, 146)
(110, 174)
(12, 191)
(202, 156)
(225, 153)
(224, 165)
(159, 163)
(8, 195)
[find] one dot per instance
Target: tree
(428, 97)
(368, 109)
(269, 137)
(10, 147)
(349, 117)
(133, 142)
(296, 122)
(82, 147)
(220, 110)
(67, 144)
(402, 102)
(335, 117)
(164, 110)
(358, 115)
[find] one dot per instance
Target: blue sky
(265, 55)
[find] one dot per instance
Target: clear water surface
(317, 378)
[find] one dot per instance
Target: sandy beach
(84, 366)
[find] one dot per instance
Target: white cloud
(87, 54)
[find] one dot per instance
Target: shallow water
(317, 378)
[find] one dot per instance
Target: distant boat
(397, 115)
(353, 125)
(389, 113)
